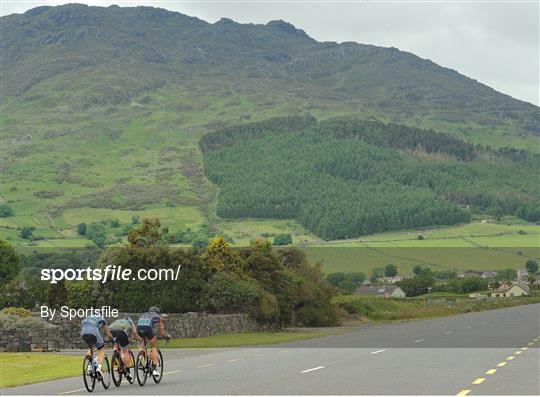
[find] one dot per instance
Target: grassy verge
(18, 369)
(246, 339)
(380, 309)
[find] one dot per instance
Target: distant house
(392, 280)
(385, 291)
(507, 291)
(489, 274)
(522, 275)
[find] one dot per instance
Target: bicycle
(144, 365)
(90, 374)
(119, 369)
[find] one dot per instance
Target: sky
(494, 42)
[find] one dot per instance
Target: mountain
(103, 108)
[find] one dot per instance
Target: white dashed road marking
(72, 391)
(312, 369)
(378, 351)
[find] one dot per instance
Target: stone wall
(64, 334)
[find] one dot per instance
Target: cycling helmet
(128, 319)
(154, 309)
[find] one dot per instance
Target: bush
(17, 311)
(96, 233)
(226, 293)
(26, 232)
(81, 229)
(5, 211)
(283, 239)
(10, 322)
(9, 263)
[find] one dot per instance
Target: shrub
(9, 263)
(5, 211)
(26, 232)
(283, 239)
(10, 322)
(81, 229)
(16, 311)
(96, 233)
(226, 293)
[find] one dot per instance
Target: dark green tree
(81, 229)
(9, 263)
(390, 270)
(5, 211)
(507, 275)
(26, 232)
(283, 239)
(531, 266)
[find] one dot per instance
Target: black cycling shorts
(146, 331)
(122, 336)
(93, 340)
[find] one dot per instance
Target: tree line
(273, 286)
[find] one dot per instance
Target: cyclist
(151, 324)
(122, 329)
(91, 334)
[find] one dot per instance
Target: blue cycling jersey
(92, 324)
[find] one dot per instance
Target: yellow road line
(501, 364)
(285, 351)
(491, 371)
(463, 393)
(206, 365)
(509, 358)
(478, 381)
(524, 348)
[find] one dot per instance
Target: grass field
(474, 246)
(23, 368)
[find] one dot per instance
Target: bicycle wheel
(131, 379)
(106, 373)
(141, 368)
(116, 369)
(159, 368)
(88, 374)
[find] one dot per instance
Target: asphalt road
(487, 353)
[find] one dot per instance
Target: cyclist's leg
(127, 357)
(153, 344)
(90, 340)
(123, 341)
(100, 347)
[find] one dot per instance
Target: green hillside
(343, 178)
(103, 110)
